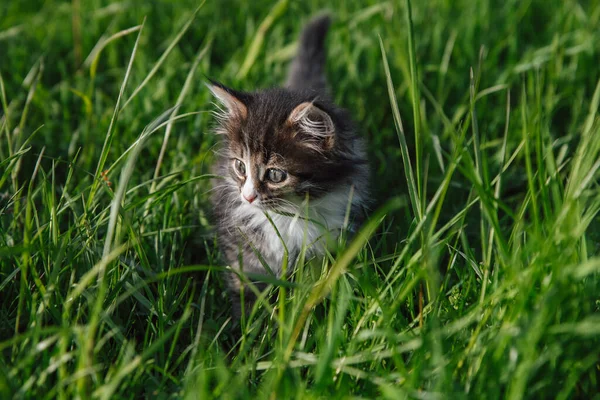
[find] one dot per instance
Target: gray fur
(308, 68)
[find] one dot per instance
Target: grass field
(478, 275)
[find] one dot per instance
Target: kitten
(289, 154)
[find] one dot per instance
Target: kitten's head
(282, 146)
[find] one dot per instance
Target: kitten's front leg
(242, 289)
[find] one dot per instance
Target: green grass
(478, 275)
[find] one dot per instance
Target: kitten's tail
(308, 68)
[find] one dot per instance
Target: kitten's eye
(276, 175)
(240, 167)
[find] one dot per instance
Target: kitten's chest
(274, 233)
(271, 233)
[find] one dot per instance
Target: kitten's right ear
(233, 100)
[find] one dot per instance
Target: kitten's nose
(250, 198)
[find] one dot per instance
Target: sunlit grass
(478, 275)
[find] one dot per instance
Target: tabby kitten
(291, 160)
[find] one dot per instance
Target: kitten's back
(307, 71)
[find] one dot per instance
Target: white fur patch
(327, 216)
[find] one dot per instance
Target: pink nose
(250, 198)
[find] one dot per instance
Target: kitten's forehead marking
(249, 167)
(261, 172)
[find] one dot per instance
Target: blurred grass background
(480, 280)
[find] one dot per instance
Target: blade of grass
(110, 133)
(276, 11)
(408, 172)
(164, 55)
(180, 99)
(416, 104)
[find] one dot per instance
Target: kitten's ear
(233, 101)
(314, 124)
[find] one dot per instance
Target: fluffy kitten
(289, 154)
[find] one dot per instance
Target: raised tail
(307, 71)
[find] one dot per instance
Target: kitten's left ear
(314, 124)
(233, 100)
